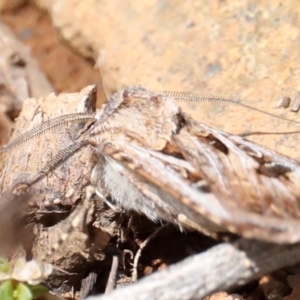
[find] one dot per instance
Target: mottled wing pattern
(250, 177)
(241, 186)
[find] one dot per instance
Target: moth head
(140, 116)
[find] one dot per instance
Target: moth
(155, 159)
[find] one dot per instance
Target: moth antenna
(47, 126)
(200, 97)
(267, 133)
(58, 159)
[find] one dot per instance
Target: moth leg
(104, 199)
(151, 199)
(134, 276)
(98, 186)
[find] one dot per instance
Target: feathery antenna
(200, 97)
(58, 159)
(46, 126)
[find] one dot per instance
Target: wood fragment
(296, 104)
(139, 252)
(87, 285)
(223, 267)
(111, 282)
(11, 5)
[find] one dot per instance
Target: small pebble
(296, 104)
(284, 102)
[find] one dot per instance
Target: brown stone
(238, 49)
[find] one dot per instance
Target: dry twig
(221, 268)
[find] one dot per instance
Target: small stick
(87, 285)
(111, 282)
(199, 275)
(134, 277)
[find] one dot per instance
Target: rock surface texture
(245, 51)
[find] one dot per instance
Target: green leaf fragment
(7, 290)
(23, 292)
(38, 290)
(4, 265)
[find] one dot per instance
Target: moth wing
(205, 201)
(260, 187)
(251, 176)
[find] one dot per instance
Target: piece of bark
(62, 190)
(87, 285)
(192, 54)
(294, 284)
(20, 78)
(27, 159)
(223, 267)
(273, 288)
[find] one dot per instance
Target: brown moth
(155, 159)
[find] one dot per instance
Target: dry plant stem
(111, 282)
(139, 252)
(199, 275)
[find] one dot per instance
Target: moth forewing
(248, 189)
(165, 188)
(138, 115)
